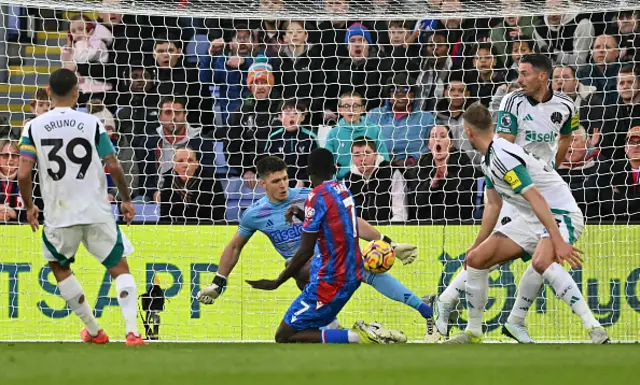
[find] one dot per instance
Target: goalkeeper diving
(269, 215)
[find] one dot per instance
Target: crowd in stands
(192, 104)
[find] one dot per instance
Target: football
(378, 256)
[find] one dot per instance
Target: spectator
(403, 125)
(586, 98)
(131, 36)
(580, 171)
(619, 178)
(190, 192)
(299, 69)
(627, 31)
(517, 49)
(251, 125)
(87, 43)
(566, 37)
(362, 72)
(625, 113)
(446, 179)
(119, 142)
(401, 50)
(603, 69)
(228, 71)
(449, 114)
(270, 36)
(511, 29)
(486, 76)
(435, 71)
(293, 142)
(332, 32)
(11, 206)
(174, 133)
(352, 125)
(40, 103)
(175, 77)
(377, 189)
(137, 122)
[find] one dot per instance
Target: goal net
(193, 93)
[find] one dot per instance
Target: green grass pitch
(257, 364)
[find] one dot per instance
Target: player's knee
(540, 263)
(302, 282)
(282, 337)
(474, 259)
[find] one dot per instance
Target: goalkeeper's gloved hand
(405, 252)
(209, 294)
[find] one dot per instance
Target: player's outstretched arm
(489, 217)
(540, 207)
(405, 252)
(25, 184)
(228, 261)
(300, 258)
(564, 142)
(117, 174)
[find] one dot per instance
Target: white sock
(127, 299)
(456, 287)
(477, 288)
(567, 290)
(528, 290)
(354, 338)
(71, 291)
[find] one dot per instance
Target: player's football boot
(101, 338)
(133, 340)
(395, 336)
(517, 332)
(465, 337)
(599, 335)
(431, 336)
(368, 335)
(442, 312)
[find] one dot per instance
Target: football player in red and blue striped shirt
(336, 270)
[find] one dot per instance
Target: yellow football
(378, 256)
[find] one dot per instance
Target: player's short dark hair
(364, 141)
(269, 165)
(478, 116)
(173, 99)
(62, 81)
(539, 62)
(321, 163)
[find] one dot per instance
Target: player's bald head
(478, 118)
(321, 164)
(62, 82)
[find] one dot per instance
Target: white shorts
(527, 234)
(508, 213)
(104, 241)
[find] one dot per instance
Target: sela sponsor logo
(292, 232)
(534, 136)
